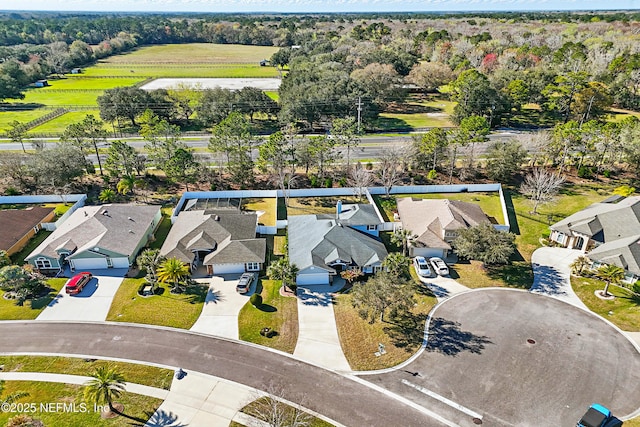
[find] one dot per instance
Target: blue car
(598, 416)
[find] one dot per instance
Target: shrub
(313, 180)
(256, 300)
(10, 191)
(342, 182)
(432, 174)
(369, 166)
(328, 182)
(607, 173)
(585, 172)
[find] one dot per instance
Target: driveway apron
(552, 274)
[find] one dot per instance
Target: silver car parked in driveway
(244, 284)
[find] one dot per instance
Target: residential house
(608, 232)
(436, 223)
(98, 237)
(224, 241)
(20, 225)
(322, 246)
(357, 216)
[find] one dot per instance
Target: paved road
(348, 402)
(478, 356)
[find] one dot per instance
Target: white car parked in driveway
(422, 266)
(439, 266)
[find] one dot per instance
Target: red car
(76, 283)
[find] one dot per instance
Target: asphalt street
(339, 398)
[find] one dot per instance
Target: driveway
(480, 363)
(219, 315)
(551, 274)
(92, 304)
(443, 287)
(318, 341)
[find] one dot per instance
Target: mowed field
(79, 92)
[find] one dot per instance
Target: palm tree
(149, 260)
(12, 397)
(107, 384)
(282, 270)
(397, 264)
(402, 237)
(172, 271)
(610, 274)
(107, 195)
(579, 265)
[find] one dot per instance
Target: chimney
(338, 209)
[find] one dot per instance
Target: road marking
(443, 399)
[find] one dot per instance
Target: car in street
(244, 284)
(598, 416)
(439, 266)
(422, 266)
(75, 285)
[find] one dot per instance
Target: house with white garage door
(224, 241)
(98, 237)
(435, 223)
(321, 247)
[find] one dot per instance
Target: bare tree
(537, 144)
(58, 57)
(541, 187)
(272, 411)
(360, 179)
(390, 170)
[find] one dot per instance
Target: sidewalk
(551, 274)
(318, 340)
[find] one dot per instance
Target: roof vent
(216, 218)
(130, 219)
(131, 231)
(85, 213)
(105, 213)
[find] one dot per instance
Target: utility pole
(359, 113)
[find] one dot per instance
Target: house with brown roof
(435, 223)
(224, 241)
(98, 237)
(20, 225)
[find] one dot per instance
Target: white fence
(78, 199)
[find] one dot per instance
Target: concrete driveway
(92, 304)
(443, 287)
(219, 315)
(513, 358)
(552, 274)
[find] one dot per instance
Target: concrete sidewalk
(221, 308)
(552, 274)
(318, 340)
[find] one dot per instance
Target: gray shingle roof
(230, 234)
(355, 214)
(317, 242)
(624, 253)
(430, 218)
(117, 228)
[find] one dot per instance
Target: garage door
(120, 262)
(313, 279)
(228, 268)
(89, 263)
(428, 252)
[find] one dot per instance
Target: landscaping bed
(31, 308)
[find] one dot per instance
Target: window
(372, 227)
(377, 268)
(43, 263)
(253, 266)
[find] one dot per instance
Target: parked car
(598, 416)
(422, 266)
(439, 266)
(244, 284)
(75, 285)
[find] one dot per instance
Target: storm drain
(531, 341)
(477, 421)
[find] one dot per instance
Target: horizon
(317, 6)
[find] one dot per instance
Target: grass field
(88, 84)
(169, 71)
(318, 205)
(31, 309)
(195, 53)
(277, 312)
(266, 205)
(133, 373)
(59, 124)
(417, 112)
(167, 309)
(7, 117)
(623, 311)
(57, 99)
(134, 405)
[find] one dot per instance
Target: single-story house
(98, 237)
(224, 241)
(357, 216)
(323, 247)
(20, 225)
(436, 222)
(608, 232)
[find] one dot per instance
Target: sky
(314, 5)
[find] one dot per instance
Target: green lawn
(195, 53)
(31, 309)
(61, 98)
(133, 373)
(623, 311)
(401, 337)
(51, 393)
(59, 124)
(7, 117)
(179, 71)
(418, 111)
(18, 257)
(318, 205)
(163, 229)
(167, 309)
(88, 84)
(266, 205)
(277, 312)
